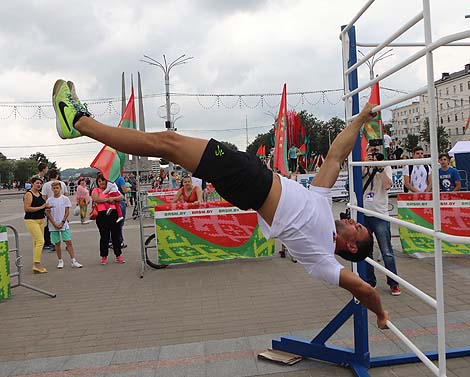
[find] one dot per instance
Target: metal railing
(436, 233)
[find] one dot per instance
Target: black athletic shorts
(239, 177)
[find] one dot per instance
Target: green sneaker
(68, 109)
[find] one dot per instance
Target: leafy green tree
(6, 170)
(411, 142)
(442, 136)
(230, 145)
(41, 157)
(24, 169)
(262, 139)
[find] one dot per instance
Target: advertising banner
(339, 189)
(417, 209)
(5, 288)
(212, 231)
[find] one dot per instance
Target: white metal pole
(441, 340)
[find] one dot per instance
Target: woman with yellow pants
(34, 207)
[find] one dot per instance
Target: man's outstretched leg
(73, 120)
(240, 178)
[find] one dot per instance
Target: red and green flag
(261, 151)
(374, 129)
(110, 161)
(280, 146)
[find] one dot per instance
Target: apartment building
(453, 108)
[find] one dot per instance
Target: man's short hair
(418, 148)
(53, 173)
(364, 250)
(55, 183)
(444, 155)
(42, 165)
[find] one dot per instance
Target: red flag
(261, 151)
(466, 126)
(373, 129)
(280, 146)
(110, 161)
(303, 148)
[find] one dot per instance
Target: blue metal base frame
(357, 359)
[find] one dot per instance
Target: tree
(24, 169)
(41, 157)
(6, 170)
(230, 145)
(411, 142)
(2, 157)
(262, 139)
(442, 136)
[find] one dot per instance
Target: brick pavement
(208, 319)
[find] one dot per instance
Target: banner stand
(19, 274)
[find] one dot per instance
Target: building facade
(453, 109)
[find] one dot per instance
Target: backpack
(410, 168)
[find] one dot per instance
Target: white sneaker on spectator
(76, 264)
(60, 264)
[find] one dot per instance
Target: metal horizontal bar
(412, 44)
(413, 348)
(452, 238)
(417, 228)
(411, 59)
(355, 18)
(385, 43)
(419, 293)
(413, 161)
(392, 102)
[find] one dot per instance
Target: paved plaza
(204, 319)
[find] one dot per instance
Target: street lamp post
(166, 68)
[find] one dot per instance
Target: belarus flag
(110, 161)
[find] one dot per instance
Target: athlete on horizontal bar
(301, 218)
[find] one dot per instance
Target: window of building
(448, 106)
(455, 103)
(442, 106)
(440, 91)
(456, 118)
(442, 120)
(454, 88)
(461, 102)
(463, 130)
(461, 87)
(448, 118)
(468, 84)
(447, 90)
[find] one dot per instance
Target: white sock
(74, 260)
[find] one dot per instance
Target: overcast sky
(239, 47)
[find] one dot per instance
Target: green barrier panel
(205, 233)
(417, 209)
(5, 287)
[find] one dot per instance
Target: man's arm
(367, 295)
(340, 149)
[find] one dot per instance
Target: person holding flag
(301, 218)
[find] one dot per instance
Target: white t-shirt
(110, 187)
(58, 211)
(304, 223)
(47, 189)
(387, 140)
(418, 177)
(375, 196)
